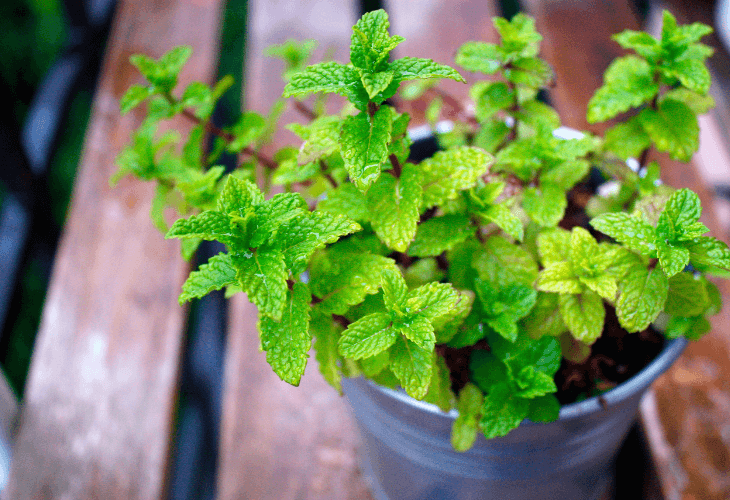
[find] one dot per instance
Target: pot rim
(673, 348)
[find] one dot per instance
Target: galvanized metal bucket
(407, 453)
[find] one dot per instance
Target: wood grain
(277, 441)
(97, 416)
(686, 415)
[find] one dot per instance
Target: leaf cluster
(383, 265)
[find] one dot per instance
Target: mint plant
(494, 250)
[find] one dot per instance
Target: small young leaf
(673, 128)
(480, 56)
(559, 277)
(505, 219)
(707, 253)
(630, 230)
(627, 83)
(323, 77)
(412, 366)
(544, 318)
(627, 139)
(133, 97)
(217, 273)
(501, 262)
(275, 212)
(287, 342)
(208, 225)
(642, 295)
(411, 68)
(533, 383)
(584, 315)
(394, 206)
(502, 411)
(262, 275)
(440, 234)
(464, 430)
(448, 172)
(417, 329)
(545, 205)
(375, 83)
(367, 336)
(364, 144)
(371, 42)
(395, 289)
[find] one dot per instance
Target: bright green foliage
(386, 265)
(440, 234)
(364, 145)
(673, 128)
(448, 172)
(503, 307)
(512, 376)
(628, 83)
(216, 274)
(287, 342)
(464, 430)
(503, 263)
(394, 207)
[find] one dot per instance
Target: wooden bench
(97, 419)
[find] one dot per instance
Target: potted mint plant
(512, 285)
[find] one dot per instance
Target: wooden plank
(686, 414)
(277, 441)
(97, 416)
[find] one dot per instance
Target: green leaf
(505, 306)
(692, 328)
(643, 43)
(491, 135)
(692, 73)
(440, 234)
(544, 318)
(630, 230)
(394, 287)
(364, 144)
(684, 208)
(687, 296)
(502, 411)
(272, 214)
(217, 273)
(133, 97)
(375, 365)
(367, 336)
(262, 275)
(673, 259)
(627, 139)
(321, 136)
(545, 205)
(558, 277)
(480, 56)
(371, 43)
(375, 83)
(418, 329)
(412, 366)
(342, 281)
(553, 246)
(346, 200)
(505, 220)
(323, 77)
(394, 206)
(519, 38)
(584, 315)
(432, 301)
(464, 430)
(411, 68)
(447, 325)
(303, 235)
(448, 172)
(208, 225)
(238, 195)
(566, 174)
(707, 253)
(673, 128)
(533, 383)
(544, 409)
(502, 263)
(439, 390)
(327, 355)
(247, 130)
(642, 295)
(698, 103)
(531, 72)
(490, 98)
(627, 83)
(288, 341)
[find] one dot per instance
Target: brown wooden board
(98, 411)
(687, 413)
(278, 441)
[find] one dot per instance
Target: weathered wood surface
(97, 416)
(686, 417)
(277, 441)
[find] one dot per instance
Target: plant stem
(397, 167)
(305, 110)
(372, 109)
(326, 174)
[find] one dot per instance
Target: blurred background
(50, 56)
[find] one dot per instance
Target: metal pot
(407, 453)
